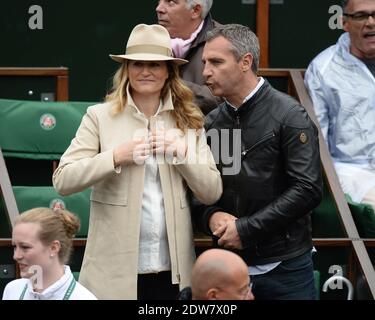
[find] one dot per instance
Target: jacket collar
(165, 105)
(349, 60)
(201, 37)
(249, 104)
(53, 290)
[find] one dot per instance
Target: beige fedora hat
(148, 43)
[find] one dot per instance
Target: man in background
(187, 22)
(341, 83)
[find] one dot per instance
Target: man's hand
(230, 239)
(218, 222)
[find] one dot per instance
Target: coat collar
(249, 104)
(346, 58)
(201, 37)
(55, 289)
(165, 105)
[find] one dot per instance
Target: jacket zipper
(260, 141)
(238, 126)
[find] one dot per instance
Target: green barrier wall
(80, 35)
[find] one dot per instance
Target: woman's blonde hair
(186, 113)
(60, 225)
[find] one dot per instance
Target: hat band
(149, 48)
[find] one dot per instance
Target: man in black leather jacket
(270, 169)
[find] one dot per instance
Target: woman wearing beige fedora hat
(135, 152)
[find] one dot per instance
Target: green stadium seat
(78, 203)
(326, 224)
(317, 283)
(364, 218)
(325, 219)
(38, 130)
(34, 135)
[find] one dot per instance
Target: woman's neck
(148, 105)
(49, 278)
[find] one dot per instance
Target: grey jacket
(192, 71)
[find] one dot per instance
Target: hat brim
(146, 57)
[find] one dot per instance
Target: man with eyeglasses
(341, 83)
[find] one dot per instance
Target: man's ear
(344, 22)
(247, 61)
(212, 293)
(196, 11)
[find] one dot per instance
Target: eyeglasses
(360, 16)
(242, 293)
(246, 292)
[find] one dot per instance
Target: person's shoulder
(322, 60)
(216, 23)
(279, 101)
(286, 110)
(210, 24)
(17, 283)
(81, 293)
(99, 107)
(322, 55)
(297, 117)
(100, 111)
(14, 289)
(213, 115)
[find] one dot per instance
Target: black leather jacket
(279, 181)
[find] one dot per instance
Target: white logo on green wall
(57, 204)
(47, 121)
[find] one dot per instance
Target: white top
(251, 94)
(153, 239)
(57, 291)
(153, 254)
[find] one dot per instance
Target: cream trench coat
(110, 263)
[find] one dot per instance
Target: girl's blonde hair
(186, 113)
(60, 225)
